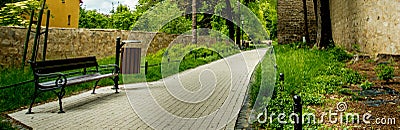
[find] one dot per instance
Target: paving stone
(211, 101)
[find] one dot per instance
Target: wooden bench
(55, 75)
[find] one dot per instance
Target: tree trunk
(194, 22)
(324, 32)
(231, 27)
(238, 26)
(317, 21)
(306, 33)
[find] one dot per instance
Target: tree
(237, 25)
(123, 18)
(17, 14)
(143, 6)
(194, 21)
(229, 23)
(271, 18)
(92, 19)
(324, 32)
(4, 2)
(122, 8)
(306, 33)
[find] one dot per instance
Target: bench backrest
(52, 66)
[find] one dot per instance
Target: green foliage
(122, 19)
(3, 2)
(298, 45)
(121, 8)
(348, 76)
(17, 14)
(356, 47)
(366, 85)
(92, 19)
(145, 5)
(271, 17)
(370, 61)
(309, 73)
(4, 125)
(325, 84)
(312, 98)
(255, 83)
(199, 55)
(340, 54)
(385, 72)
(177, 26)
(155, 19)
(282, 103)
(351, 76)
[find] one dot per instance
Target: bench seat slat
(76, 80)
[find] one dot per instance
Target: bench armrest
(60, 81)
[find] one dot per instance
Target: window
(69, 19)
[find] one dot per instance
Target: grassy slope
(308, 72)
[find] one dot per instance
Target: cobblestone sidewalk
(207, 97)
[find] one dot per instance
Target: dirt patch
(381, 101)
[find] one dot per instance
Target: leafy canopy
(17, 14)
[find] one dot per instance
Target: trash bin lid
(131, 41)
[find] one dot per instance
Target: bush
(385, 72)
(366, 85)
(351, 76)
(348, 76)
(340, 54)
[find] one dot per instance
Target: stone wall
(62, 43)
(371, 27)
(69, 43)
(291, 21)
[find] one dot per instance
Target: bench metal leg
(60, 96)
(116, 84)
(35, 94)
(95, 85)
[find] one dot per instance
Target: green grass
(309, 73)
(182, 57)
(196, 57)
(5, 125)
(20, 96)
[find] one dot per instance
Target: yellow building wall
(64, 13)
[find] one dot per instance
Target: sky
(105, 6)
